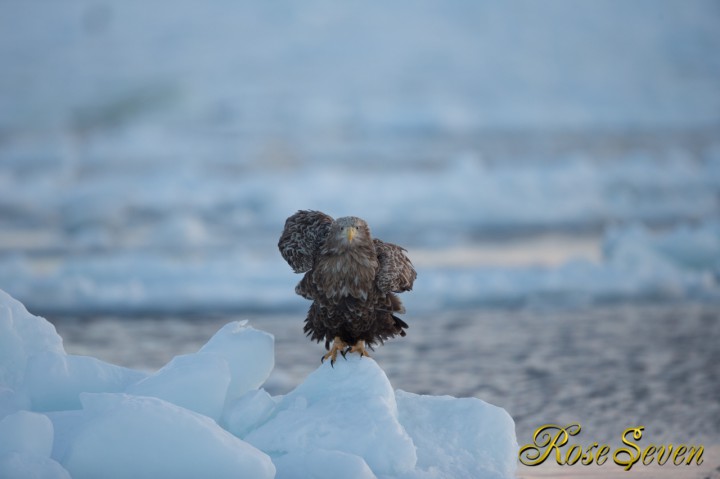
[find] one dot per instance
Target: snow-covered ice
(22, 336)
(198, 382)
(322, 464)
(249, 354)
(26, 432)
(316, 415)
(54, 381)
(634, 262)
(471, 433)
(206, 414)
(123, 436)
(18, 465)
(245, 413)
(26, 440)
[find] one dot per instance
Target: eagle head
(348, 232)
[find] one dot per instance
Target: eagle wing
(302, 237)
(395, 271)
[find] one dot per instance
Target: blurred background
(553, 169)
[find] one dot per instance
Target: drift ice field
(147, 161)
(553, 169)
(206, 415)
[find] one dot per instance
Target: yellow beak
(350, 234)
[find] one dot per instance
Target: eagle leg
(338, 346)
(358, 347)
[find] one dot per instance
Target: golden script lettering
(551, 438)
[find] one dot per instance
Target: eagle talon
(337, 346)
(359, 348)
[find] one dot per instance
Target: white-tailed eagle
(351, 279)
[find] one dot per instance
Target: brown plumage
(351, 279)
